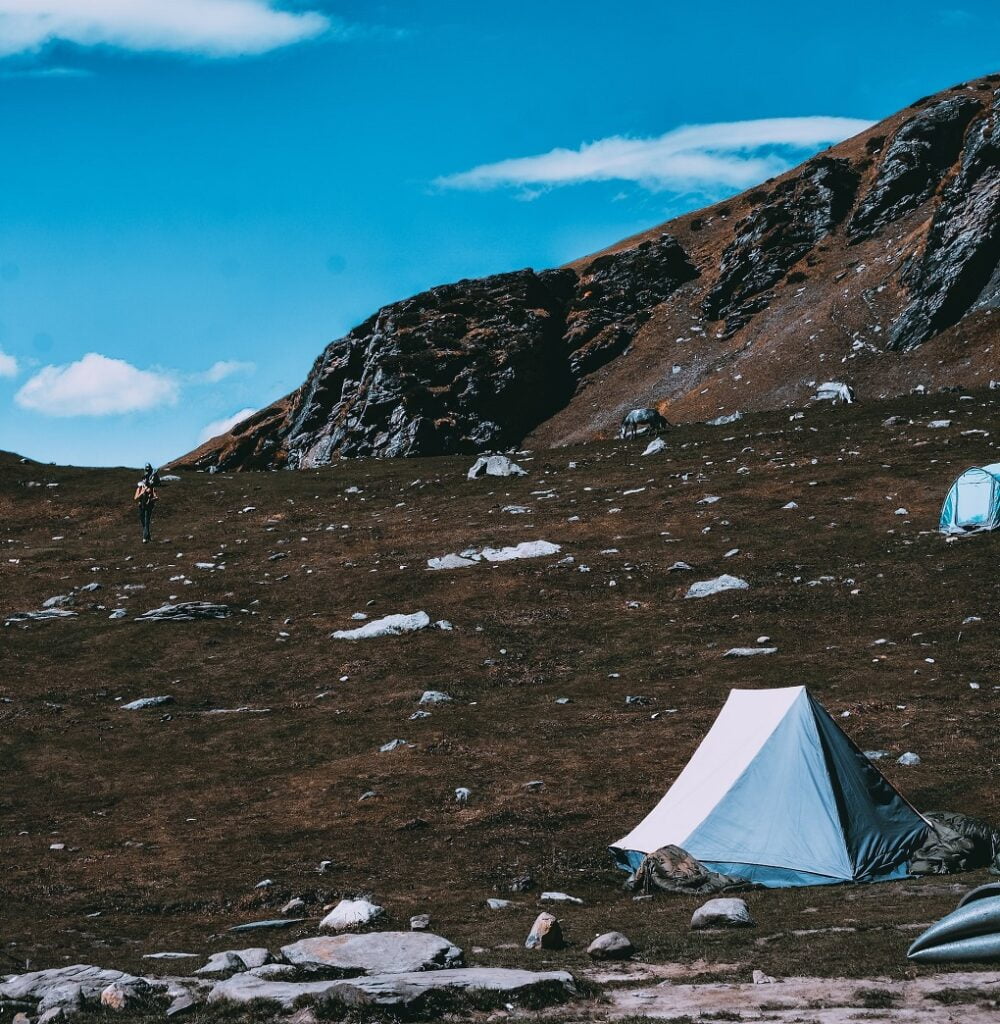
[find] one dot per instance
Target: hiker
(146, 497)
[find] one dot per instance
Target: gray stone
(121, 995)
(395, 990)
(186, 611)
(420, 922)
(374, 953)
(545, 933)
(494, 465)
(495, 904)
(147, 702)
(255, 956)
(66, 995)
(434, 697)
(275, 972)
(723, 913)
(90, 981)
(350, 913)
(279, 922)
(50, 1016)
(182, 1004)
(760, 978)
(294, 906)
(220, 965)
(610, 946)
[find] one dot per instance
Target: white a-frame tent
(777, 794)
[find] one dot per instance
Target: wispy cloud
(224, 368)
(214, 28)
(8, 365)
(96, 386)
(705, 158)
(224, 425)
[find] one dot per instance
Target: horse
(637, 418)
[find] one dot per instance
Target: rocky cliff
(877, 261)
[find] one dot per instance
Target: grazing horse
(637, 418)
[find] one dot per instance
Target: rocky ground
(263, 778)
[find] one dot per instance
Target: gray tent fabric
(955, 843)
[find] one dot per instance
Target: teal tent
(973, 503)
(777, 794)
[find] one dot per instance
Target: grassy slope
(273, 794)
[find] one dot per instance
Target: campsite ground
(170, 817)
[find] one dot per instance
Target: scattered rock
(726, 912)
(391, 625)
(351, 913)
(186, 611)
(559, 897)
(420, 922)
(253, 926)
(182, 1004)
(760, 978)
(121, 995)
(146, 702)
(495, 904)
(724, 582)
(908, 760)
(294, 906)
(526, 549)
(434, 697)
(749, 652)
(374, 953)
(399, 991)
(610, 946)
(654, 446)
(221, 965)
(546, 933)
(494, 465)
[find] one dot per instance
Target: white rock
(434, 697)
(147, 702)
(748, 652)
(908, 760)
(350, 913)
(654, 446)
(724, 582)
(391, 625)
(375, 952)
(526, 549)
(494, 465)
(560, 897)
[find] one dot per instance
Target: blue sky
(196, 196)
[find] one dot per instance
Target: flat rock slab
(90, 980)
(818, 1000)
(375, 953)
(278, 922)
(397, 990)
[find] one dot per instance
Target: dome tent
(973, 503)
(777, 794)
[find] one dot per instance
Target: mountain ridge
(875, 261)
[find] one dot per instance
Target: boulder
(610, 946)
(87, 980)
(221, 965)
(725, 912)
(401, 991)
(374, 953)
(351, 913)
(545, 933)
(494, 465)
(120, 995)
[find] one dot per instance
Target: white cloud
(706, 157)
(8, 365)
(222, 426)
(96, 386)
(225, 368)
(215, 28)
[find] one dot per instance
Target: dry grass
(171, 818)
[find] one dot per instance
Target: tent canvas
(973, 502)
(777, 794)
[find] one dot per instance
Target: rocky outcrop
(886, 243)
(792, 218)
(913, 163)
(616, 295)
(959, 268)
(460, 368)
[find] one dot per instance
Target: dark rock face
(913, 163)
(787, 224)
(616, 295)
(959, 268)
(464, 367)
(469, 365)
